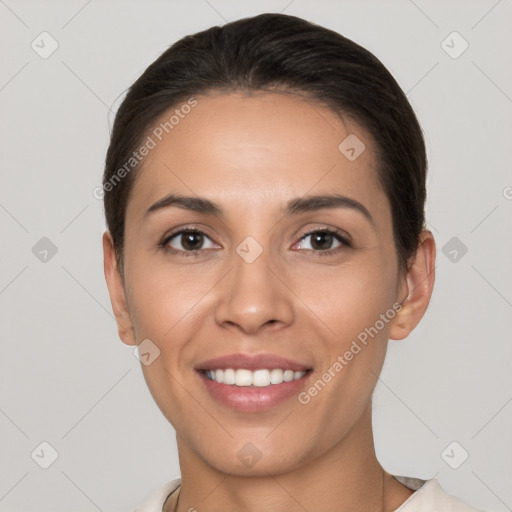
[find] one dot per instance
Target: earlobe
(116, 291)
(417, 290)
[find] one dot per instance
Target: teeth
(288, 375)
(276, 376)
(259, 378)
(242, 378)
(229, 376)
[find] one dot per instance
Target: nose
(254, 296)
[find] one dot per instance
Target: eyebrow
(293, 207)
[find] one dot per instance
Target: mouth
(248, 383)
(261, 378)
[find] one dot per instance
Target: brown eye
(322, 241)
(191, 241)
(187, 240)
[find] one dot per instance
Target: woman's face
(255, 281)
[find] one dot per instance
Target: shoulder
(431, 497)
(156, 501)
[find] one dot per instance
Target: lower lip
(253, 398)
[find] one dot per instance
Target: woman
(264, 197)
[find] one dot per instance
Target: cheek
(163, 299)
(167, 306)
(344, 298)
(164, 306)
(349, 297)
(356, 305)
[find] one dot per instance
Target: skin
(251, 155)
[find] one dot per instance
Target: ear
(416, 288)
(116, 291)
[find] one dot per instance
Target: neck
(347, 477)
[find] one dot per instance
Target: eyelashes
(332, 235)
(190, 231)
(196, 235)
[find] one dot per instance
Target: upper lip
(252, 362)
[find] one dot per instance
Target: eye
(187, 241)
(190, 242)
(322, 241)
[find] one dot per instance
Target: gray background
(66, 378)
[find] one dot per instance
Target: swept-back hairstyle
(286, 53)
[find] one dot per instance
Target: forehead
(241, 150)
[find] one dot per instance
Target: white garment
(429, 496)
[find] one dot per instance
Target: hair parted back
(285, 53)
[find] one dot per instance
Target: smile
(257, 378)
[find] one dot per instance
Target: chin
(256, 465)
